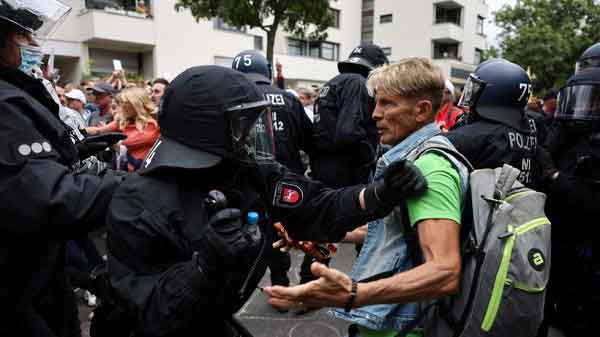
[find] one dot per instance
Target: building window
(258, 42)
(478, 56)
(296, 47)
(317, 49)
(335, 13)
(386, 18)
(330, 51)
(387, 51)
(223, 61)
(445, 50)
(479, 28)
(448, 14)
(459, 73)
(136, 8)
(366, 35)
(222, 25)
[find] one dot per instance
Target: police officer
(344, 134)
(42, 203)
(292, 131)
(186, 261)
(589, 59)
(571, 179)
(496, 130)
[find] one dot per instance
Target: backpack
(505, 249)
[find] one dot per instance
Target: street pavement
(264, 321)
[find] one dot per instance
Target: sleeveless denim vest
(391, 246)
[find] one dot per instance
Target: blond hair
(142, 105)
(414, 77)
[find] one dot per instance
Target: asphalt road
(264, 321)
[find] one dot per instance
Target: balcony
(104, 21)
(447, 32)
(455, 70)
(450, 3)
(134, 8)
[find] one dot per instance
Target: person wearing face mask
(43, 203)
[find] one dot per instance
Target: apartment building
(451, 32)
(151, 39)
(159, 41)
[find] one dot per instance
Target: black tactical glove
(91, 145)
(546, 164)
(401, 180)
(226, 240)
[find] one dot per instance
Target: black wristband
(350, 302)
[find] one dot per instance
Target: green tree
(490, 53)
(305, 19)
(548, 36)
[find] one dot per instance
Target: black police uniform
(291, 127)
(497, 131)
(489, 144)
(182, 270)
(42, 205)
(344, 134)
(573, 149)
(572, 207)
(152, 256)
(292, 130)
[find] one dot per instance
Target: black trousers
(279, 263)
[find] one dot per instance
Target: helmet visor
(252, 131)
(592, 62)
(471, 92)
(38, 17)
(579, 102)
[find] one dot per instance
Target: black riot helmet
(38, 17)
(589, 59)
(498, 91)
(363, 59)
(211, 113)
(579, 99)
(252, 63)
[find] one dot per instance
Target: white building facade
(451, 32)
(152, 40)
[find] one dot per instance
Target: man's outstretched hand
(331, 289)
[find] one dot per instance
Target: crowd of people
(200, 184)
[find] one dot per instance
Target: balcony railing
(135, 8)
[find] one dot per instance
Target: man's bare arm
(438, 276)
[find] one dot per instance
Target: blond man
(411, 255)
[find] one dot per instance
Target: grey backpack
(505, 260)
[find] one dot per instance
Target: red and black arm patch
(288, 195)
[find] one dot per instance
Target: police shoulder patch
(288, 195)
(25, 148)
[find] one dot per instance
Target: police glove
(401, 180)
(91, 145)
(226, 240)
(546, 164)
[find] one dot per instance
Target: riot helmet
(589, 59)
(579, 99)
(363, 59)
(38, 17)
(498, 91)
(208, 114)
(252, 63)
